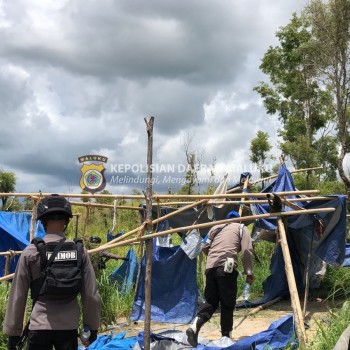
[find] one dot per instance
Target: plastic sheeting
(302, 237)
(173, 285)
(15, 233)
(125, 275)
(277, 336)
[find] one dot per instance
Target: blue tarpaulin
(303, 232)
(173, 285)
(279, 334)
(125, 275)
(346, 262)
(15, 233)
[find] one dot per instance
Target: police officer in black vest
(54, 319)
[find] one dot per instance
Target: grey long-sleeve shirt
(50, 314)
(228, 243)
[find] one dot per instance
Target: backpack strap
(40, 246)
(79, 243)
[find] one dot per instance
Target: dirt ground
(243, 327)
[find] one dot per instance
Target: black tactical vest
(63, 278)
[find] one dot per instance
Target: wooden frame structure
(144, 232)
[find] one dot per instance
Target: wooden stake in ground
(149, 242)
(33, 219)
(294, 296)
(245, 186)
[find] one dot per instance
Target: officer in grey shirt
(224, 243)
(54, 320)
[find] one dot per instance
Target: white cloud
(78, 77)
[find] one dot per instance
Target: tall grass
(115, 304)
(4, 294)
(331, 328)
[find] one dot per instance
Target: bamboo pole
(33, 219)
(261, 201)
(157, 196)
(74, 195)
(298, 315)
(7, 264)
(209, 224)
(149, 241)
(245, 186)
(99, 205)
(232, 195)
(259, 308)
(86, 222)
(11, 253)
(178, 211)
(8, 277)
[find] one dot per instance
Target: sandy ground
(243, 326)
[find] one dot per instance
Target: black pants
(46, 340)
(221, 287)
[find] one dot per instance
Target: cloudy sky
(79, 77)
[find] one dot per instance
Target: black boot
(192, 332)
(226, 334)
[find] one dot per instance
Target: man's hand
(12, 342)
(250, 279)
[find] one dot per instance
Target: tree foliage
(330, 43)
(7, 184)
(259, 148)
(295, 95)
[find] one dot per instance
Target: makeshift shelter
(321, 235)
(15, 233)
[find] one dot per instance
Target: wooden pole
(76, 225)
(245, 186)
(256, 201)
(259, 308)
(307, 272)
(149, 241)
(298, 315)
(209, 224)
(163, 196)
(99, 205)
(86, 222)
(33, 219)
(232, 195)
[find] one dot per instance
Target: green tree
(301, 103)
(7, 184)
(259, 148)
(330, 31)
(104, 200)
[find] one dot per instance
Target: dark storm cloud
(79, 77)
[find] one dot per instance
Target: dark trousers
(220, 288)
(46, 340)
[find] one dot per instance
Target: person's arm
(247, 258)
(90, 298)
(13, 322)
(206, 245)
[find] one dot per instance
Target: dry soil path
(243, 327)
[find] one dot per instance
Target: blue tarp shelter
(14, 233)
(174, 287)
(279, 334)
(322, 234)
